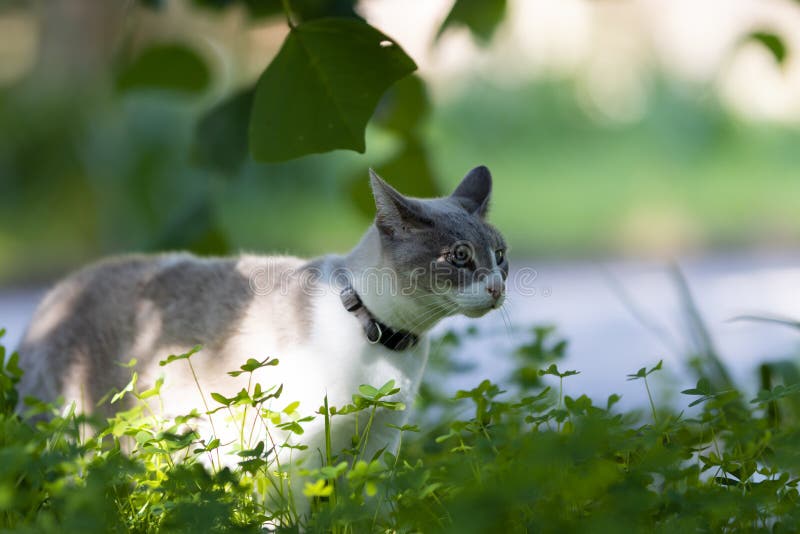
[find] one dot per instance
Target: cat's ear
(474, 191)
(394, 211)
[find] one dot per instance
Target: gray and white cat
(335, 322)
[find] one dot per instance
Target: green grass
(521, 457)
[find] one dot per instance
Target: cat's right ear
(395, 212)
(474, 191)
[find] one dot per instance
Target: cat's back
(134, 306)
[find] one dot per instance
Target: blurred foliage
(301, 10)
(166, 66)
(481, 17)
(221, 142)
(410, 171)
(487, 460)
(87, 170)
(771, 42)
(403, 111)
(404, 107)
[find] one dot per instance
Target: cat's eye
(460, 255)
(499, 256)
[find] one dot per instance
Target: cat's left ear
(474, 191)
(396, 213)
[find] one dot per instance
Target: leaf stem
(288, 12)
(650, 397)
(329, 448)
(205, 404)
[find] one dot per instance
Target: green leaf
(172, 67)
(152, 392)
(127, 389)
(367, 391)
(221, 399)
(397, 406)
(778, 392)
(480, 16)
(703, 387)
(644, 372)
(252, 364)
(333, 471)
(12, 366)
(259, 448)
(386, 388)
(700, 400)
(553, 370)
(318, 489)
(291, 426)
(291, 407)
(321, 89)
(185, 356)
(772, 42)
(404, 428)
(641, 373)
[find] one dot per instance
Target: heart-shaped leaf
(322, 87)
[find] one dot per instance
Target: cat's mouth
(476, 307)
(474, 313)
(480, 311)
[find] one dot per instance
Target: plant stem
(560, 399)
(203, 398)
(365, 436)
(650, 397)
(329, 448)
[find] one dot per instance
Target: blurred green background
(92, 162)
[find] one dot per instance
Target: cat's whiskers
(423, 296)
(427, 314)
(425, 311)
(506, 319)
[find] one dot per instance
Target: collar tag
(374, 332)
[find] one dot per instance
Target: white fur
(334, 358)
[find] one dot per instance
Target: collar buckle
(376, 331)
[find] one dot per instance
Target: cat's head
(447, 257)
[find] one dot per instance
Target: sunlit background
(622, 136)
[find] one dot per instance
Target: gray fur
(202, 300)
(417, 234)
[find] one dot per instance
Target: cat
(334, 323)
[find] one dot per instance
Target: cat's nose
(495, 289)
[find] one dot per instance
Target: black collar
(376, 331)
